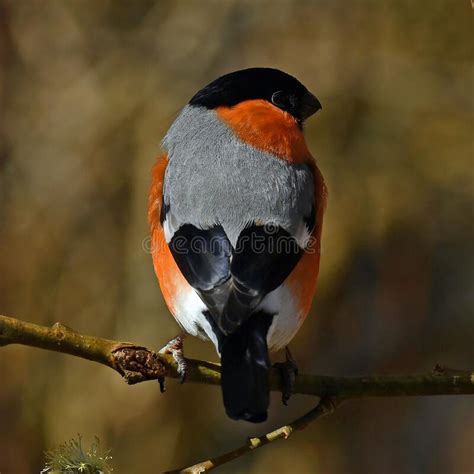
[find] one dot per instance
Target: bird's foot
(175, 348)
(288, 371)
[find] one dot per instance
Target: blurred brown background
(88, 89)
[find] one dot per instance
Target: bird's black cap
(272, 85)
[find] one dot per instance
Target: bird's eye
(284, 100)
(278, 99)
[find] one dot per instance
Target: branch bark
(137, 364)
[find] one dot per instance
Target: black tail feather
(245, 370)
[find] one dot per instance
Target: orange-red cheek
(267, 128)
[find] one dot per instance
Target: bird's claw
(161, 381)
(175, 348)
(288, 371)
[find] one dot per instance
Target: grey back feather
(215, 178)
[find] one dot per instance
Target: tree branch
(138, 364)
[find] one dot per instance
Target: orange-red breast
(236, 210)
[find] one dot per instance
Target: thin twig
(325, 406)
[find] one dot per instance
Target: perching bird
(236, 208)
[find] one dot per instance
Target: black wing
(233, 281)
(263, 258)
(203, 256)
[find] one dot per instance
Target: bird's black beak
(309, 106)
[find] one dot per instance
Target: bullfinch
(235, 212)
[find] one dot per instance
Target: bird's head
(274, 86)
